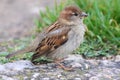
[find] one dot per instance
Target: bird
(59, 39)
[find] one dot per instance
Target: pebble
(19, 65)
(45, 79)
(77, 79)
(36, 75)
(7, 78)
(117, 58)
(2, 68)
(94, 78)
(77, 65)
(87, 75)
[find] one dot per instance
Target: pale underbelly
(72, 44)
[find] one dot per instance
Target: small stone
(93, 62)
(87, 66)
(26, 78)
(19, 65)
(33, 79)
(45, 79)
(107, 63)
(2, 68)
(62, 78)
(116, 71)
(77, 79)
(36, 75)
(94, 78)
(76, 58)
(87, 75)
(117, 58)
(7, 78)
(59, 75)
(77, 65)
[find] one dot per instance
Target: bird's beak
(84, 14)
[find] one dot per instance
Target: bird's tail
(22, 51)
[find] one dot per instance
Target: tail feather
(22, 51)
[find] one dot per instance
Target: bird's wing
(55, 37)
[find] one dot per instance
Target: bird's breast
(75, 38)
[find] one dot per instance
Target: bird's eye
(75, 14)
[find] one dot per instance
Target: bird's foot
(60, 65)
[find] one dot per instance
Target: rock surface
(82, 70)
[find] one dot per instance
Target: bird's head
(72, 15)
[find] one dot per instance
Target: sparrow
(61, 38)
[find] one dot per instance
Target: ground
(82, 70)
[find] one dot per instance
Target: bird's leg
(58, 62)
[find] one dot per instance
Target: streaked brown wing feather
(54, 39)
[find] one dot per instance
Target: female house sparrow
(59, 39)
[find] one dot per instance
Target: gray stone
(94, 78)
(7, 78)
(2, 68)
(19, 65)
(117, 58)
(77, 79)
(82, 70)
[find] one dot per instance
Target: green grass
(103, 23)
(12, 46)
(104, 18)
